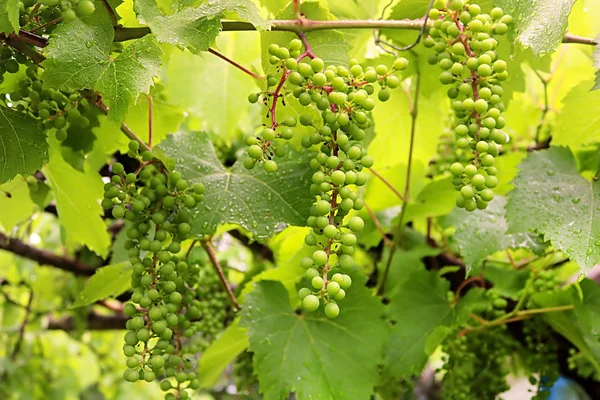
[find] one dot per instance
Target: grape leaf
(14, 196)
(483, 232)
(578, 123)
(77, 196)
(23, 147)
(551, 198)
(195, 27)
(230, 343)
(108, 281)
(262, 203)
(539, 25)
(437, 198)
(580, 325)
(79, 57)
(9, 16)
(312, 355)
(419, 307)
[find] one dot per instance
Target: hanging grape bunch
(177, 300)
(343, 99)
(462, 38)
(69, 10)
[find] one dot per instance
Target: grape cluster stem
(210, 250)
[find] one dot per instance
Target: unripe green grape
(85, 8)
(332, 310)
(302, 293)
(317, 282)
(317, 64)
(295, 78)
(346, 261)
(478, 181)
(482, 147)
(340, 295)
(484, 70)
(330, 231)
(306, 262)
(356, 224)
(457, 169)
(491, 181)
(253, 97)
(319, 257)
(447, 78)
(487, 160)
(467, 192)
(311, 273)
(470, 205)
(383, 95)
(310, 303)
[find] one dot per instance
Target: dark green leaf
(312, 355)
(79, 57)
(551, 198)
(23, 147)
(260, 202)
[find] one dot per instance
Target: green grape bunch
(69, 10)
(56, 109)
(176, 307)
(463, 40)
(343, 99)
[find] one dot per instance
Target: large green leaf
(418, 308)
(108, 281)
(221, 353)
(579, 121)
(77, 196)
(9, 16)
(260, 202)
(14, 196)
(539, 25)
(23, 147)
(483, 232)
(551, 198)
(195, 27)
(580, 325)
(312, 355)
(79, 57)
(437, 198)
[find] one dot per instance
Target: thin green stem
(414, 111)
(210, 250)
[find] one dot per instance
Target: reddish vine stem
(277, 93)
(21, 335)
(111, 13)
(387, 241)
(47, 24)
(388, 184)
(464, 283)
(150, 107)
(124, 128)
(235, 64)
(215, 263)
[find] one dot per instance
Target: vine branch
(215, 263)
(307, 25)
(44, 257)
(414, 111)
(235, 64)
(17, 347)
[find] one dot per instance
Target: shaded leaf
(419, 307)
(23, 147)
(312, 355)
(14, 196)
